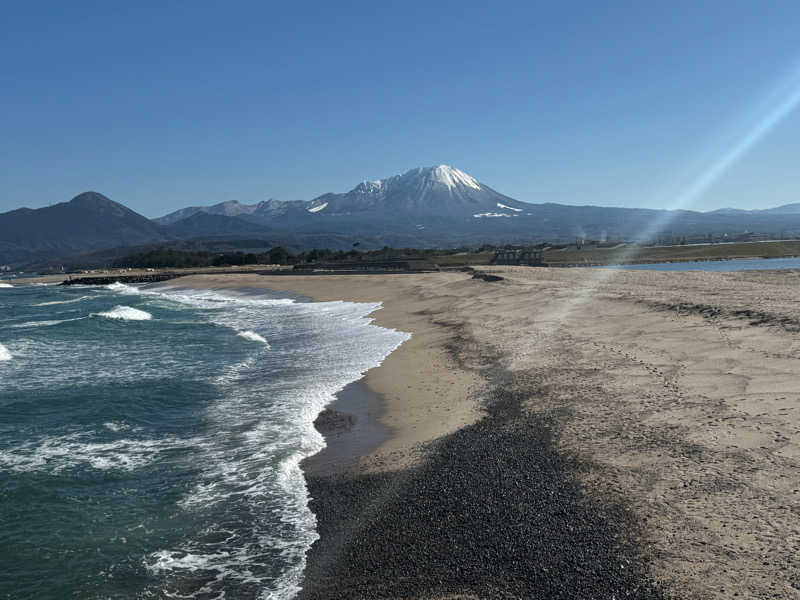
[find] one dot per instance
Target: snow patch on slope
(451, 177)
(509, 207)
(316, 209)
(370, 187)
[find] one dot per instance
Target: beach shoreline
(656, 410)
(425, 394)
(437, 394)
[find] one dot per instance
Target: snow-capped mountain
(441, 191)
(443, 205)
(261, 212)
(266, 212)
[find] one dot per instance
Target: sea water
(150, 440)
(736, 264)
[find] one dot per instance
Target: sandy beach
(568, 433)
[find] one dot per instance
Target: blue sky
(160, 105)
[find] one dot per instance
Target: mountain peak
(441, 175)
(91, 198)
(98, 203)
(452, 177)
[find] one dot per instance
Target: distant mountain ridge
(202, 224)
(229, 208)
(442, 204)
(785, 209)
(423, 207)
(439, 191)
(425, 191)
(88, 221)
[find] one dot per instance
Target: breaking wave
(252, 336)
(263, 418)
(125, 313)
(4, 353)
(5, 285)
(54, 302)
(53, 454)
(44, 323)
(115, 427)
(122, 288)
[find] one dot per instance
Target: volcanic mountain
(441, 191)
(420, 193)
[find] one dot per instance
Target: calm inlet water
(150, 440)
(742, 264)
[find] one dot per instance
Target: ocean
(150, 439)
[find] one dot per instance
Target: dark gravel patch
(754, 318)
(333, 421)
(495, 511)
(487, 276)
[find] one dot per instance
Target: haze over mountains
(424, 207)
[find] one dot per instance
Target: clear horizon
(159, 106)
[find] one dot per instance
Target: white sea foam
(165, 560)
(4, 353)
(126, 313)
(213, 300)
(28, 324)
(254, 458)
(54, 302)
(252, 336)
(122, 288)
(3, 284)
(115, 427)
(53, 454)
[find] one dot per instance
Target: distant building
(518, 256)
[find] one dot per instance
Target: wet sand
(352, 428)
(569, 433)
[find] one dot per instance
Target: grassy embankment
(628, 254)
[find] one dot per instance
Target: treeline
(167, 258)
(182, 259)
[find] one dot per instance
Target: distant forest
(162, 258)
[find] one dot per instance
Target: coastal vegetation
(162, 258)
(165, 257)
(582, 254)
